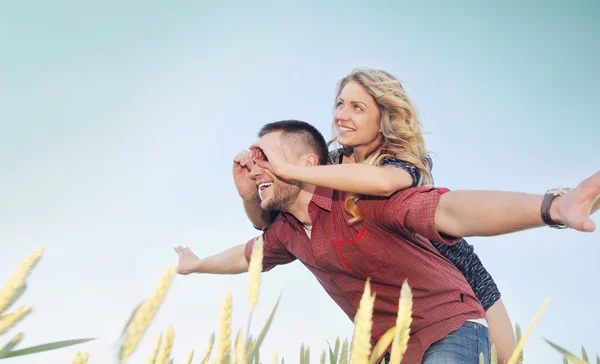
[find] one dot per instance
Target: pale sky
(119, 122)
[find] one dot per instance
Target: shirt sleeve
(413, 211)
(274, 252)
(407, 167)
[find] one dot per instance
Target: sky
(119, 122)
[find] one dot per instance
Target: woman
(383, 152)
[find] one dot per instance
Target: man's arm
(248, 191)
(231, 261)
(487, 213)
(441, 216)
(235, 260)
(261, 219)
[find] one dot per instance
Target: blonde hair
(401, 135)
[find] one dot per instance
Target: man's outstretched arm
(231, 261)
(488, 213)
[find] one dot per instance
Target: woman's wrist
(290, 172)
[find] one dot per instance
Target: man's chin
(265, 204)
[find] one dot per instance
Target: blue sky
(119, 122)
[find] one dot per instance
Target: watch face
(558, 191)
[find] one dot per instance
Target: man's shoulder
(402, 198)
(280, 227)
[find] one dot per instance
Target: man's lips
(264, 185)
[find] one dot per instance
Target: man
(392, 244)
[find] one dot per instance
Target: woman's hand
(273, 158)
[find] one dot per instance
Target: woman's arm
(354, 177)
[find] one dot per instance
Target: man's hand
(575, 207)
(246, 186)
(188, 261)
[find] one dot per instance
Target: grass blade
(263, 332)
(565, 353)
(45, 347)
(11, 345)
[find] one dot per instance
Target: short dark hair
(305, 132)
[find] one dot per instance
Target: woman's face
(356, 117)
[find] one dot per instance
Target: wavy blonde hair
(401, 135)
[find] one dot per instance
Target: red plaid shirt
(389, 245)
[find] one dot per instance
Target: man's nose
(256, 171)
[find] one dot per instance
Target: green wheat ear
(302, 354)
(518, 334)
(584, 354)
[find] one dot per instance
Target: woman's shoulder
(395, 162)
(335, 156)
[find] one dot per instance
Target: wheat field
(228, 348)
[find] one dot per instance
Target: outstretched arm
(445, 216)
(235, 260)
(487, 213)
(231, 261)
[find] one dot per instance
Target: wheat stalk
(14, 284)
(155, 347)
(166, 346)
(344, 353)
(518, 336)
(361, 338)
(240, 349)
(254, 269)
(80, 358)
(494, 355)
(274, 356)
(224, 338)
(211, 342)
(8, 321)
(515, 355)
(403, 322)
(146, 312)
(190, 357)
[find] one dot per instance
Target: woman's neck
(361, 152)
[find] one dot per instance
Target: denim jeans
(459, 347)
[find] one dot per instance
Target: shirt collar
(322, 197)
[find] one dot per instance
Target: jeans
(459, 347)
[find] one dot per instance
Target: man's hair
(302, 132)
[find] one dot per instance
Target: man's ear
(311, 160)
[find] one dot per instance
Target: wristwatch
(548, 198)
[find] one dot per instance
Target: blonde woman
(383, 152)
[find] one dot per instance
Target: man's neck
(300, 207)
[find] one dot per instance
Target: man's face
(275, 193)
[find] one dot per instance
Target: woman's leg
(501, 331)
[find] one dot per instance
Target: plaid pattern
(391, 244)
